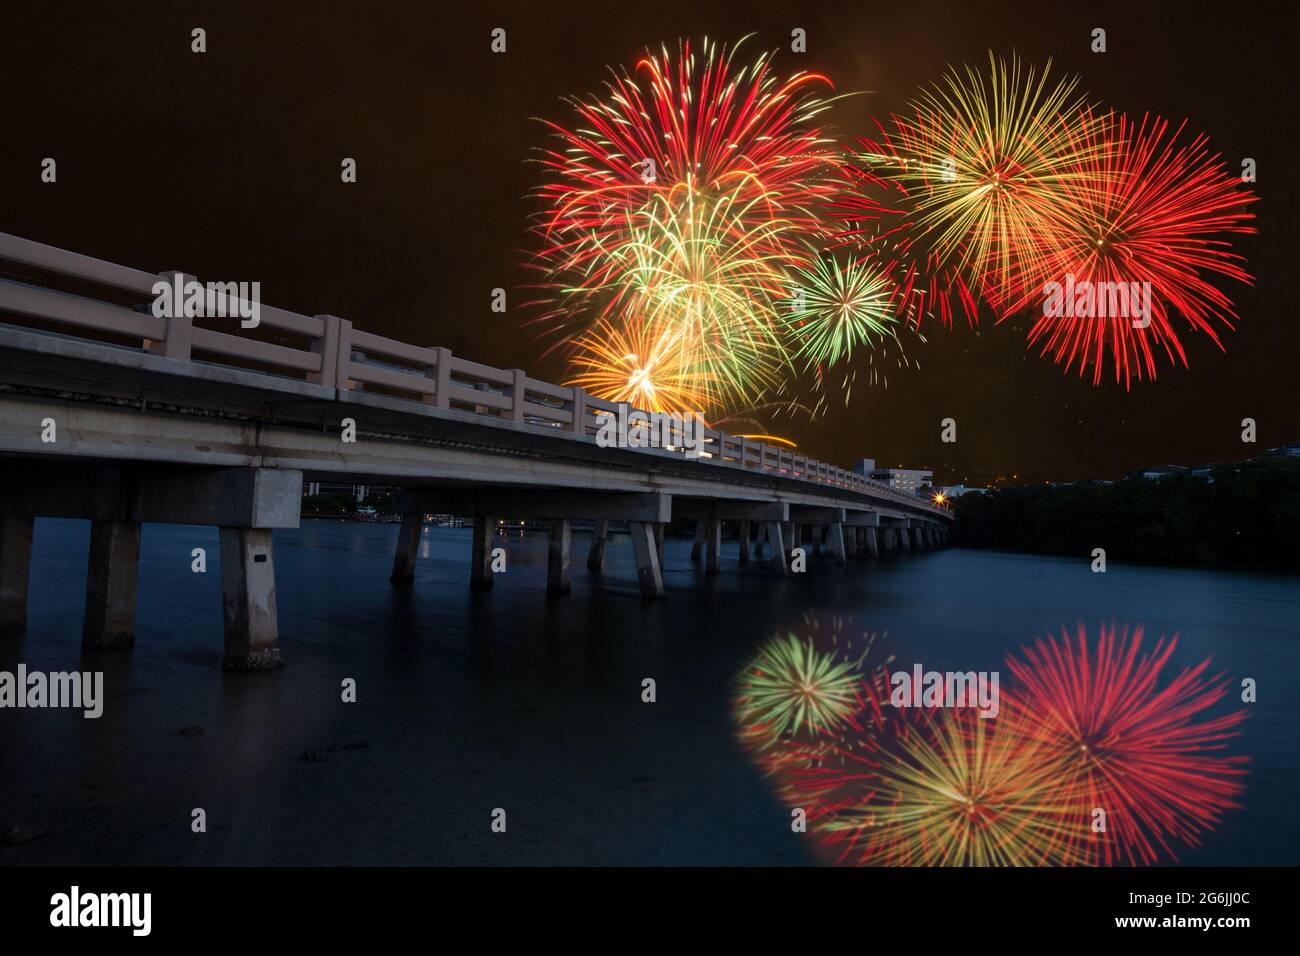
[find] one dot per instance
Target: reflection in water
(1134, 748)
(1094, 760)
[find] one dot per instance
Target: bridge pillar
(658, 531)
(408, 549)
(836, 534)
(713, 543)
(744, 542)
(557, 557)
(111, 581)
(873, 541)
(698, 544)
(248, 600)
(480, 568)
(777, 540)
(759, 537)
(646, 549)
(15, 571)
(796, 536)
(904, 538)
(596, 554)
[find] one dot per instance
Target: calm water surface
(514, 699)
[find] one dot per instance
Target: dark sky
(226, 165)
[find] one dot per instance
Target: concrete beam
(248, 600)
(541, 504)
(808, 514)
(836, 534)
(697, 546)
(596, 554)
(224, 497)
(720, 510)
(558, 557)
(713, 545)
(777, 540)
(480, 567)
(646, 550)
(408, 549)
(111, 582)
(15, 571)
(862, 519)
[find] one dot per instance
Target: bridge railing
(329, 351)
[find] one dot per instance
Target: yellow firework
(989, 162)
(700, 269)
(646, 366)
(952, 792)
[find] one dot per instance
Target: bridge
(111, 413)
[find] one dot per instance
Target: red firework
(1139, 237)
(1146, 754)
(709, 124)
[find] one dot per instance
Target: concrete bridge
(110, 413)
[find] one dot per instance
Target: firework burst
(982, 166)
(1145, 754)
(649, 367)
(837, 309)
(1145, 217)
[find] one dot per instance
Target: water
(473, 701)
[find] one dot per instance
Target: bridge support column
(904, 538)
(111, 581)
(713, 545)
(646, 549)
(796, 536)
(697, 545)
(759, 538)
(777, 540)
(873, 542)
(15, 571)
(743, 535)
(557, 557)
(836, 533)
(480, 568)
(658, 530)
(596, 555)
(408, 549)
(248, 600)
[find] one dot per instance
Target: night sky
(226, 165)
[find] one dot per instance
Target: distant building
(956, 491)
(907, 480)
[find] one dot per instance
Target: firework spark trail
(1144, 753)
(954, 791)
(968, 180)
(1142, 207)
(648, 367)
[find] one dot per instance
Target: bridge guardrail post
(516, 387)
(343, 363)
(579, 405)
(327, 347)
(442, 379)
(180, 327)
